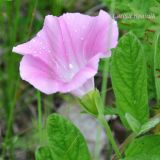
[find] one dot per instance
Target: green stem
(104, 79)
(32, 17)
(127, 141)
(125, 144)
(97, 145)
(40, 126)
(9, 131)
(10, 121)
(57, 7)
(109, 135)
(156, 65)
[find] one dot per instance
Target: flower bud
(92, 103)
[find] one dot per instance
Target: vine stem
(39, 115)
(110, 136)
(104, 79)
(125, 143)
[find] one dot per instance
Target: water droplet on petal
(82, 38)
(70, 66)
(39, 34)
(83, 26)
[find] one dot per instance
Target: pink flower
(64, 55)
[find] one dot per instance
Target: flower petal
(89, 35)
(86, 87)
(42, 77)
(47, 45)
(64, 55)
(39, 74)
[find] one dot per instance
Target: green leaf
(108, 110)
(44, 153)
(149, 125)
(133, 123)
(143, 157)
(119, 5)
(157, 66)
(92, 103)
(144, 148)
(140, 9)
(138, 16)
(149, 52)
(87, 102)
(65, 140)
(129, 79)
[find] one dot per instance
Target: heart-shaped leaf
(65, 142)
(144, 148)
(129, 79)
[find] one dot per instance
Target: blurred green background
(19, 21)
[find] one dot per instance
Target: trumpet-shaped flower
(64, 55)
